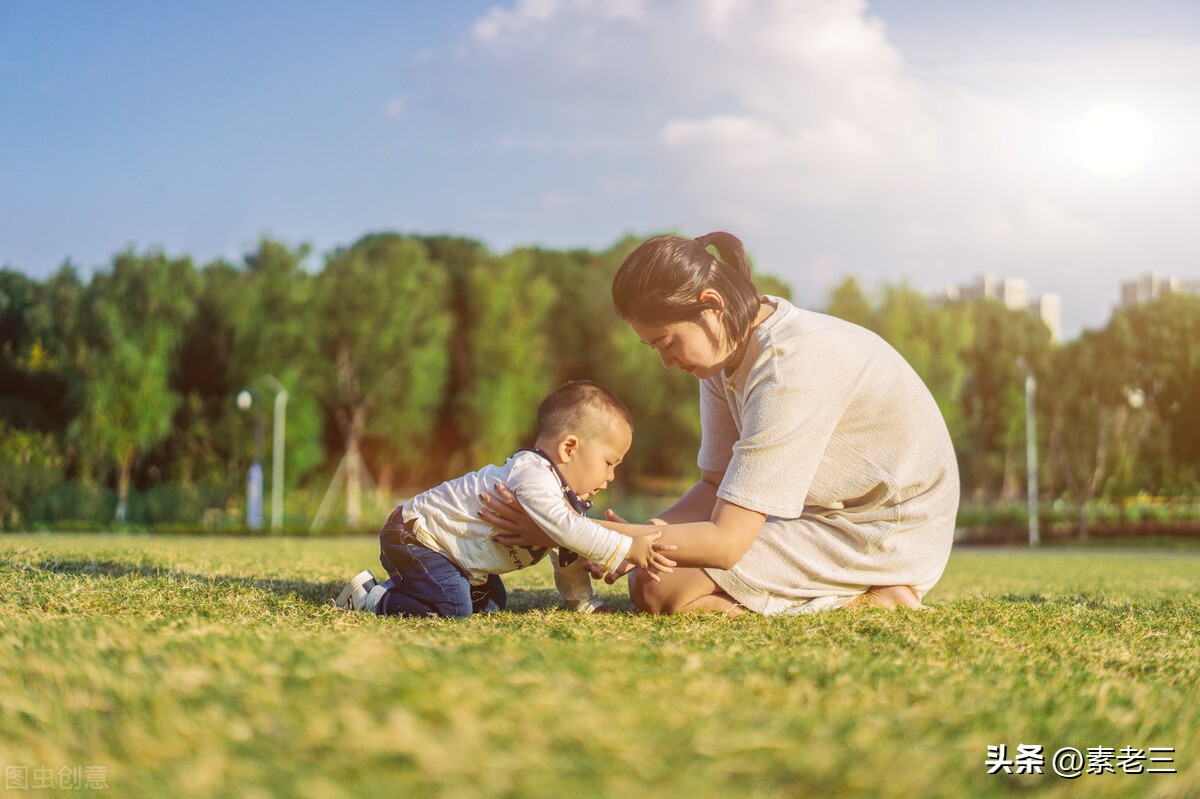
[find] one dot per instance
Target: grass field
(177, 667)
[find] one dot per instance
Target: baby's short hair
(578, 404)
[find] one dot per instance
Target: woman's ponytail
(730, 250)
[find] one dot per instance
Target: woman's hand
(625, 567)
(503, 510)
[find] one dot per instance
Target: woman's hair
(660, 283)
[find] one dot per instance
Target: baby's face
(594, 462)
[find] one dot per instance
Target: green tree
(199, 446)
(383, 328)
(31, 396)
(49, 353)
(993, 396)
(133, 318)
(56, 354)
(582, 312)
(16, 296)
(847, 301)
(1094, 428)
(1164, 353)
(457, 259)
(507, 329)
(275, 322)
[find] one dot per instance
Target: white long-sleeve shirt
(446, 519)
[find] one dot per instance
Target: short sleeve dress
(828, 431)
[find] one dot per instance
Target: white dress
(829, 432)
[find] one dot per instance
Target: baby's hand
(659, 561)
(645, 554)
(623, 568)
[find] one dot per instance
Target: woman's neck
(765, 309)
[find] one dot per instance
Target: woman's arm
(717, 543)
(503, 511)
(697, 504)
(705, 530)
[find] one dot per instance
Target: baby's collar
(580, 505)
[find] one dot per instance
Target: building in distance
(1014, 294)
(1152, 285)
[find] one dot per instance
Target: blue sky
(898, 141)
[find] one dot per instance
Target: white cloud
(794, 102)
(801, 126)
(534, 15)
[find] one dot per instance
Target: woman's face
(694, 347)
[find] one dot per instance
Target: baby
(440, 556)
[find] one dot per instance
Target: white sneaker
(370, 602)
(355, 592)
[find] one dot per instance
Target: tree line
(409, 359)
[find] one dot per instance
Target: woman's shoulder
(794, 330)
(820, 353)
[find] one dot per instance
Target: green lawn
(173, 667)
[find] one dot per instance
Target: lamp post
(254, 514)
(1031, 462)
(277, 442)
(254, 477)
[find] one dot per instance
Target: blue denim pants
(427, 583)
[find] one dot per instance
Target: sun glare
(1113, 139)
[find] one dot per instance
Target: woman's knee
(649, 595)
(671, 593)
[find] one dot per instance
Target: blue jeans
(427, 583)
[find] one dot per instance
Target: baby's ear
(567, 447)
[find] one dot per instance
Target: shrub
(29, 465)
(82, 505)
(173, 504)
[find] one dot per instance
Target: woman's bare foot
(888, 597)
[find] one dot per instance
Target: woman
(827, 474)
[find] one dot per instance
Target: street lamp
(1031, 463)
(254, 478)
(277, 431)
(254, 515)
